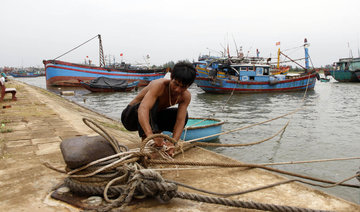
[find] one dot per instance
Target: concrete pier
(33, 127)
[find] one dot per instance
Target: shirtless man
(149, 111)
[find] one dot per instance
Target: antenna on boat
(350, 51)
(223, 54)
(358, 45)
(237, 51)
(101, 53)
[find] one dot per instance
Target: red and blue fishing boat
(249, 75)
(61, 73)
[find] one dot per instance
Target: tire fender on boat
(273, 80)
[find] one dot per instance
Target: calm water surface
(327, 128)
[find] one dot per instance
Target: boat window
(266, 71)
(355, 66)
(243, 69)
(231, 71)
(338, 66)
(259, 70)
(251, 68)
(236, 67)
(251, 78)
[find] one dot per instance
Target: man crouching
(149, 112)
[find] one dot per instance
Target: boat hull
(59, 73)
(226, 85)
(199, 128)
(345, 75)
(357, 73)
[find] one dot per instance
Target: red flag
(121, 54)
(278, 43)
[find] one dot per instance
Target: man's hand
(159, 142)
(168, 146)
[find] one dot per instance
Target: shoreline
(40, 120)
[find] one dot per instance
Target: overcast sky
(172, 30)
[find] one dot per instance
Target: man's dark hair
(184, 72)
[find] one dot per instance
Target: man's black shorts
(163, 120)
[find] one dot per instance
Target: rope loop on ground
(116, 146)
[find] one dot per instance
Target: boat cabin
(242, 72)
(348, 64)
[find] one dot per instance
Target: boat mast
(278, 59)
(306, 45)
(101, 53)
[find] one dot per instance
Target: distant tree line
(171, 64)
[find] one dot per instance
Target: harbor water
(327, 127)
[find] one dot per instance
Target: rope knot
(150, 183)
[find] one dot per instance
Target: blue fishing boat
(26, 74)
(197, 128)
(346, 70)
(249, 75)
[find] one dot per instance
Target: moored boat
(346, 70)
(249, 75)
(197, 128)
(59, 73)
(26, 74)
(104, 84)
(324, 79)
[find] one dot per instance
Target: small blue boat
(200, 127)
(324, 79)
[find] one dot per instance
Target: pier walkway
(34, 125)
